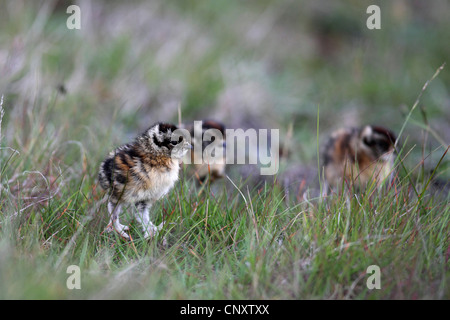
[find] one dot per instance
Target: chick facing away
(358, 155)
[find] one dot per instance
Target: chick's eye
(384, 145)
(368, 141)
(175, 142)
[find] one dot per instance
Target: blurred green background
(247, 63)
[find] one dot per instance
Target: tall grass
(234, 243)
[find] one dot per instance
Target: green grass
(232, 239)
(220, 248)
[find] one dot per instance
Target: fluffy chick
(142, 172)
(358, 155)
(212, 166)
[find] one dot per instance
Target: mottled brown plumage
(142, 172)
(358, 155)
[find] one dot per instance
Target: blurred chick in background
(358, 155)
(209, 168)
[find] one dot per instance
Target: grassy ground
(70, 96)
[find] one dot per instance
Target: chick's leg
(143, 217)
(114, 212)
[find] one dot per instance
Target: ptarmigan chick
(210, 139)
(358, 155)
(142, 172)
